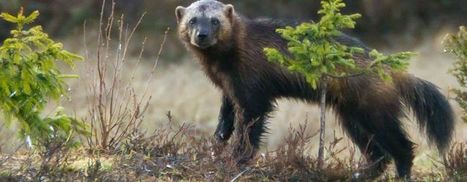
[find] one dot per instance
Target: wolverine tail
(431, 109)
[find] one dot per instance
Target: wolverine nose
(202, 36)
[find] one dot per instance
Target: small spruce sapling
(315, 53)
(29, 77)
(456, 44)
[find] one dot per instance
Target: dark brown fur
(369, 109)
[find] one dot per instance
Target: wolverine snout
(202, 35)
(202, 39)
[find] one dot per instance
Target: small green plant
(456, 44)
(315, 53)
(29, 77)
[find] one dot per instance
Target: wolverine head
(204, 23)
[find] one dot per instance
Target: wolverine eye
(192, 21)
(215, 22)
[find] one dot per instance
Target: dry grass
(181, 153)
(456, 162)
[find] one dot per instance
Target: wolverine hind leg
(379, 135)
(376, 156)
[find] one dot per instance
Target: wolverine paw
(221, 137)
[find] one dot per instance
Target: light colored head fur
(205, 10)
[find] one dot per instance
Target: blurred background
(396, 24)
(179, 86)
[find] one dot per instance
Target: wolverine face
(203, 31)
(204, 22)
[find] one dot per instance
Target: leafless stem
(116, 109)
(322, 122)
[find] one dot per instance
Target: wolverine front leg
(225, 126)
(250, 127)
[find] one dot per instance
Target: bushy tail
(431, 108)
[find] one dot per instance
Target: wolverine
(230, 49)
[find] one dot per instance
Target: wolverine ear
(229, 11)
(179, 12)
